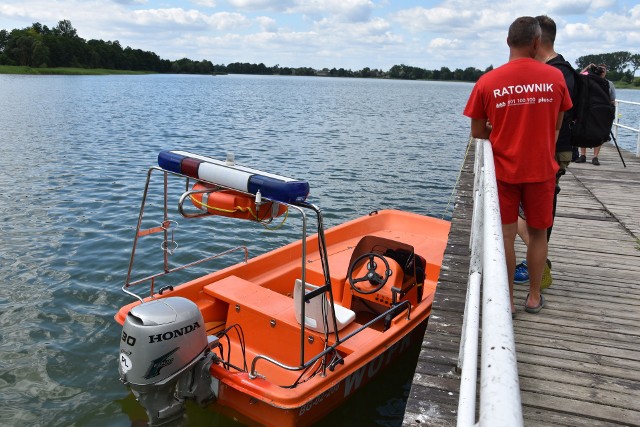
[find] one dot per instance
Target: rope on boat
(455, 186)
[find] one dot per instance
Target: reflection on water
(74, 154)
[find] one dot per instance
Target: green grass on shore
(10, 69)
(627, 85)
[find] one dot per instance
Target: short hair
(523, 31)
(548, 27)
(603, 69)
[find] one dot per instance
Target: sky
(350, 34)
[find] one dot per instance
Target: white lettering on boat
(530, 88)
(354, 381)
(319, 399)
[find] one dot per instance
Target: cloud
(130, 2)
(341, 33)
(342, 10)
(315, 10)
(262, 5)
(190, 19)
(224, 21)
(441, 21)
(148, 17)
(566, 7)
(628, 21)
(204, 3)
(267, 24)
(440, 43)
(420, 19)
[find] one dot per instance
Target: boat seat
(313, 310)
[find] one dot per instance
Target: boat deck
(579, 358)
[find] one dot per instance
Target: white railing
(617, 125)
(500, 403)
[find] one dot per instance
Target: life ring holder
(187, 196)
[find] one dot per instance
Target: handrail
(617, 125)
(164, 227)
(500, 403)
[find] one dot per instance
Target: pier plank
(579, 358)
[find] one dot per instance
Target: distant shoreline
(66, 71)
(11, 69)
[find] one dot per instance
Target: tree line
(39, 46)
(42, 47)
(620, 65)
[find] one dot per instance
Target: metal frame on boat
(193, 340)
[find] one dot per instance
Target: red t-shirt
(521, 100)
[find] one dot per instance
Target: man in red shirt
(519, 107)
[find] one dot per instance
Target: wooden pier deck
(579, 358)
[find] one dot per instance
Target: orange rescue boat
(235, 337)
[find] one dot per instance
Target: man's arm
(480, 129)
(612, 92)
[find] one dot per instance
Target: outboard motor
(165, 358)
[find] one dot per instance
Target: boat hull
(266, 366)
(252, 410)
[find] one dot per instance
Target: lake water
(74, 151)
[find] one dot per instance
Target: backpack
(593, 113)
(564, 137)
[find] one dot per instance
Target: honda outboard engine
(165, 357)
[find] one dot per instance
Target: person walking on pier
(519, 108)
(564, 150)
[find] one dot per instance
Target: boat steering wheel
(372, 276)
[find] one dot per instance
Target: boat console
(383, 271)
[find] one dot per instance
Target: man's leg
(596, 151)
(537, 251)
(537, 204)
(522, 230)
(509, 237)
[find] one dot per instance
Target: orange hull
(250, 409)
(257, 297)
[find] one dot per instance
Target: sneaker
(522, 273)
(595, 161)
(547, 280)
(581, 159)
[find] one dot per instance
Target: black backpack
(593, 113)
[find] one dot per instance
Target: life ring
(234, 204)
